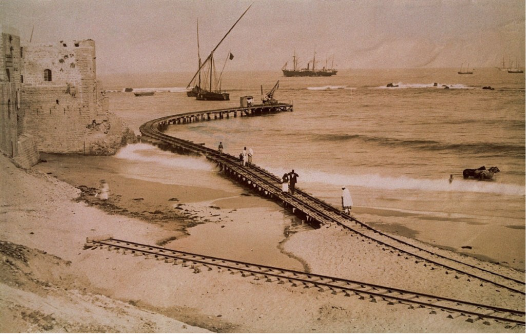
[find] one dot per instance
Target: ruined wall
(10, 108)
(66, 109)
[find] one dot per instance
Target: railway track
(337, 286)
(316, 210)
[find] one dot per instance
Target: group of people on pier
(288, 182)
(246, 156)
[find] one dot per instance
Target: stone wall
(11, 112)
(66, 110)
(27, 152)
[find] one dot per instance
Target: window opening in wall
(21, 79)
(47, 75)
(21, 52)
(8, 75)
(9, 108)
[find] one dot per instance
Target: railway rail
(297, 279)
(309, 207)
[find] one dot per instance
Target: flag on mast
(231, 56)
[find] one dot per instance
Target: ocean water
(395, 148)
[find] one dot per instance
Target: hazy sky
(160, 35)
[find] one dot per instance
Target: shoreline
(65, 288)
(151, 205)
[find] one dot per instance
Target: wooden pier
(309, 208)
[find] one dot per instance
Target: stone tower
(14, 141)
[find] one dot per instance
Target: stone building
(14, 142)
(52, 101)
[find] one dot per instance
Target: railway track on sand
(451, 308)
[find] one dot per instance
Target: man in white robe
(346, 200)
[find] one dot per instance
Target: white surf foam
(435, 85)
(160, 89)
(151, 154)
(329, 88)
(376, 181)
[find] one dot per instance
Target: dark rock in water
(435, 84)
(127, 90)
(467, 247)
(138, 199)
(173, 199)
(488, 87)
(391, 85)
(445, 87)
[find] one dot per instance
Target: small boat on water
(467, 71)
(515, 69)
(144, 93)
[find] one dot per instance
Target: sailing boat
(467, 71)
(210, 83)
(515, 69)
(503, 68)
(197, 86)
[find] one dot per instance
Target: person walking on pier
(250, 155)
(285, 184)
(346, 200)
(245, 156)
(293, 179)
(220, 148)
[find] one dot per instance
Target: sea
(400, 150)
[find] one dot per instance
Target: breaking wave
(151, 154)
(330, 88)
(159, 90)
(497, 149)
(376, 181)
(435, 85)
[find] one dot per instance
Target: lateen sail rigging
(210, 92)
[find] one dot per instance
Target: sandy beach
(51, 283)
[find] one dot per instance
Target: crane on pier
(269, 97)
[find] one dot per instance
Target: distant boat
(503, 68)
(209, 86)
(144, 93)
(308, 72)
(467, 71)
(515, 69)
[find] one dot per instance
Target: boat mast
(198, 54)
(294, 61)
(221, 41)
(211, 70)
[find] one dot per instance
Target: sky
(148, 36)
